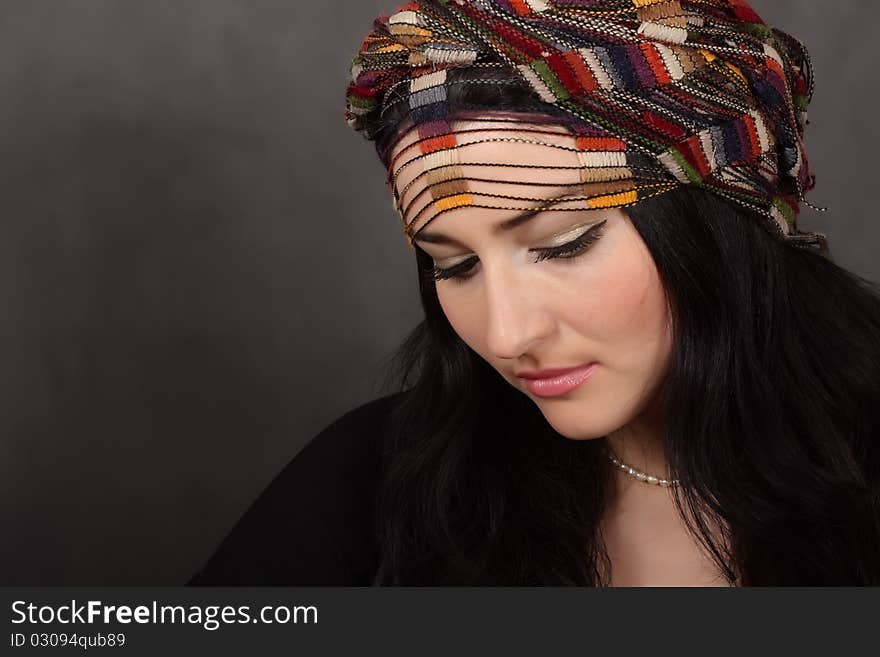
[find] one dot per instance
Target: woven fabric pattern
(657, 93)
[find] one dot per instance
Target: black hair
(772, 402)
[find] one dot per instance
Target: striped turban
(652, 94)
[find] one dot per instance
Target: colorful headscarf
(657, 93)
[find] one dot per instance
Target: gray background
(200, 267)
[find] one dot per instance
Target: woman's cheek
(620, 306)
(462, 314)
(603, 295)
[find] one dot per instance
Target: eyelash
(572, 249)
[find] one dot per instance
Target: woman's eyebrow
(510, 224)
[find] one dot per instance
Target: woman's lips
(561, 383)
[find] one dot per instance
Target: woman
(635, 368)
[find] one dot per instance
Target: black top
(312, 525)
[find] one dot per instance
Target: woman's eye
(460, 272)
(464, 269)
(575, 247)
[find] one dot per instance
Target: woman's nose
(516, 314)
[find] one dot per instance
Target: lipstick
(552, 383)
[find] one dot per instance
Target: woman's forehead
(469, 226)
(484, 145)
(413, 140)
(504, 165)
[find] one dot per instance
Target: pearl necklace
(638, 474)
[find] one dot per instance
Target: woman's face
(604, 306)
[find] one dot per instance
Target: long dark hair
(772, 403)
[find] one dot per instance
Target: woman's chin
(574, 428)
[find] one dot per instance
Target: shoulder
(312, 525)
(355, 435)
(342, 457)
